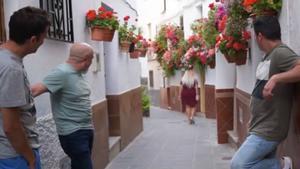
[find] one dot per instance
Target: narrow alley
(169, 142)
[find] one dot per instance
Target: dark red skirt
(188, 96)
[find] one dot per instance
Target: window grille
(60, 12)
(2, 23)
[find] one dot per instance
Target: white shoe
(288, 164)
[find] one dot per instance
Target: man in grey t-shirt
(271, 100)
(18, 140)
(71, 104)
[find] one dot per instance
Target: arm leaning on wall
(38, 89)
(290, 76)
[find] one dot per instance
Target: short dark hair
(27, 22)
(268, 26)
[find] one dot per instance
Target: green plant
(126, 32)
(169, 47)
(102, 19)
(234, 41)
(145, 101)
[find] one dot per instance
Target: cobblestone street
(169, 142)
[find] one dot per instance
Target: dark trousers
(78, 146)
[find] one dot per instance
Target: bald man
(71, 104)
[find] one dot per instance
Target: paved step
(233, 139)
(114, 146)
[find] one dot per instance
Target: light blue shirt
(70, 99)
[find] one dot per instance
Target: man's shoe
(287, 162)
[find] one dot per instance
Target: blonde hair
(188, 79)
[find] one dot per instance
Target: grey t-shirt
(70, 99)
(15, 92)
(270, 118)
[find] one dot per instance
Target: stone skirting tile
(125, 115)
(210, 102)
(224, 108)
(164, 97)
(174, 102)
(100, 152)
(241, 114)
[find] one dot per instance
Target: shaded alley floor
(169, 142)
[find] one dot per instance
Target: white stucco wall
(157, 75)
(225, 73)
(52, 53)
(121, 72)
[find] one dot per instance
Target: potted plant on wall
(103, 24)
(262, 7)
(142, 45)
(145, 103)
(126, 34)
(233, 42)
(169, 48)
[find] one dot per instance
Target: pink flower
(211, 52)
(202, 57)
(167, 56)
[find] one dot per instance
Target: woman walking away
(189, 93)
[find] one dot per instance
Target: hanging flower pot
(124, 46)
(102, 34)
(212, 63)
(230, 59)
(265, 12)
(241, 59)
(142, 51)
(103, 23)
(134, 55)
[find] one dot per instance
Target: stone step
(233, 139)
(114, 146)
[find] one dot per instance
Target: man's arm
(290, 76)
(15, 133)
(38, 89)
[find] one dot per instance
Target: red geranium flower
(91, 15)
(211, 5)
(126, 18)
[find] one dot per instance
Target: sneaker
(288, 164)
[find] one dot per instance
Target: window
(149, 30)
(2, 23)
(151, 79)
(164, 6)
(181, 22)
(200, 10)
(60, 12)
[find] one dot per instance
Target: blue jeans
(78, 146)
(256, 153)
(19, 162)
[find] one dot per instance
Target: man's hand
(268, 89)
(38, 89)
(197, 97)
(31, 164)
